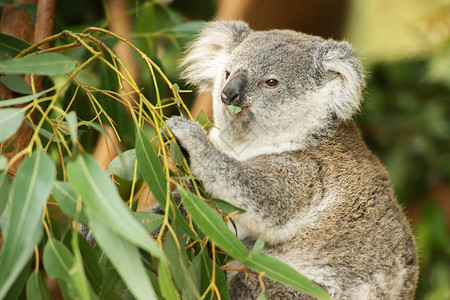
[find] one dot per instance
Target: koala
(295, 161)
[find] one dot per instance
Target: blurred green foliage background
(405, 118)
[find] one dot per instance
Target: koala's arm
(265, 187)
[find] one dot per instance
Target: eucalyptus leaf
(101, 195)
(124, 256)
(123, 165)
(16, 83)
(5, 188)
(168, 289)
(21, 100)
(10, 121)
(212, 225)
(29, 193)
(10, 46)
(40, 64)
(234, 109)
(66, 198)
(36, 288)
(149, 220)
(283, 273)
(3, 165)
(226, 206)
(202, 118)
(71, 118)
(151, 170)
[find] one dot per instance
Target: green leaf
(202, 118)
(59, 263)
(212, 225)
(10, 121)
(36, 288)
(168, 290)
(226, 206)
(124, 256)
(195, 271)
(262, 296)
(221, 281)
(16, 289)
(283, 273)
(90, 263)
(123, 165)
(5, 188)
(176, 88)
(71, 118)
(150, 167)
(41, 64)
(29, 193)
(175, 151)
(149, 220)
(151, 170)
(16, 83)
(66, 198)
(3, 165)
(21, 100)
(258, 247)
(234, 109)
(101, 195)
(11, 46)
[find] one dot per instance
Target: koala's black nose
(234, 90)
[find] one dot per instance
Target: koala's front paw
(187, 132)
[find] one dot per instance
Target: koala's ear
(208, 54)
(342, 70)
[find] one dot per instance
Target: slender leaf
(150, 167)
(195, 271)
(16, 289)
(36, 288)
(3, 164)
(202, 118)
(66, 198)
(11, 46)
(168, 289)
(90, 263)
(5, 188)
(30, 190)
(124, 256)
(10, 120)
(101, 195)
(41, 64)
(226, 206)
(16, 83)
(220, 279)
(258, 247)
(71, 118)
(212, 225)
(123, 165)
(284, 273)
(149, 220)
(59, 263)
(21, 100)
(153, 174)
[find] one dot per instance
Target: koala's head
(285, 82)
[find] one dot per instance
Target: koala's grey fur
(297, 163)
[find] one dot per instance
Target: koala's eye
(271, 83)
(227, 74)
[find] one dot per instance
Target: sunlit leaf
(10, 121)
(283, 273)
(29, 193)
(3, 165)
(202, 118)
(124, 256)
(36, 288)
(123, 165)
(66, 198)
(71, 118)
(149, 220)
(151, 170)
(212, 225)
(40, 64)
(101, 195)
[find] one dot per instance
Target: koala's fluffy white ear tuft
(208, 54)
(338, 62)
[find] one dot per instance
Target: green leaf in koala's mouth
(234, 109)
